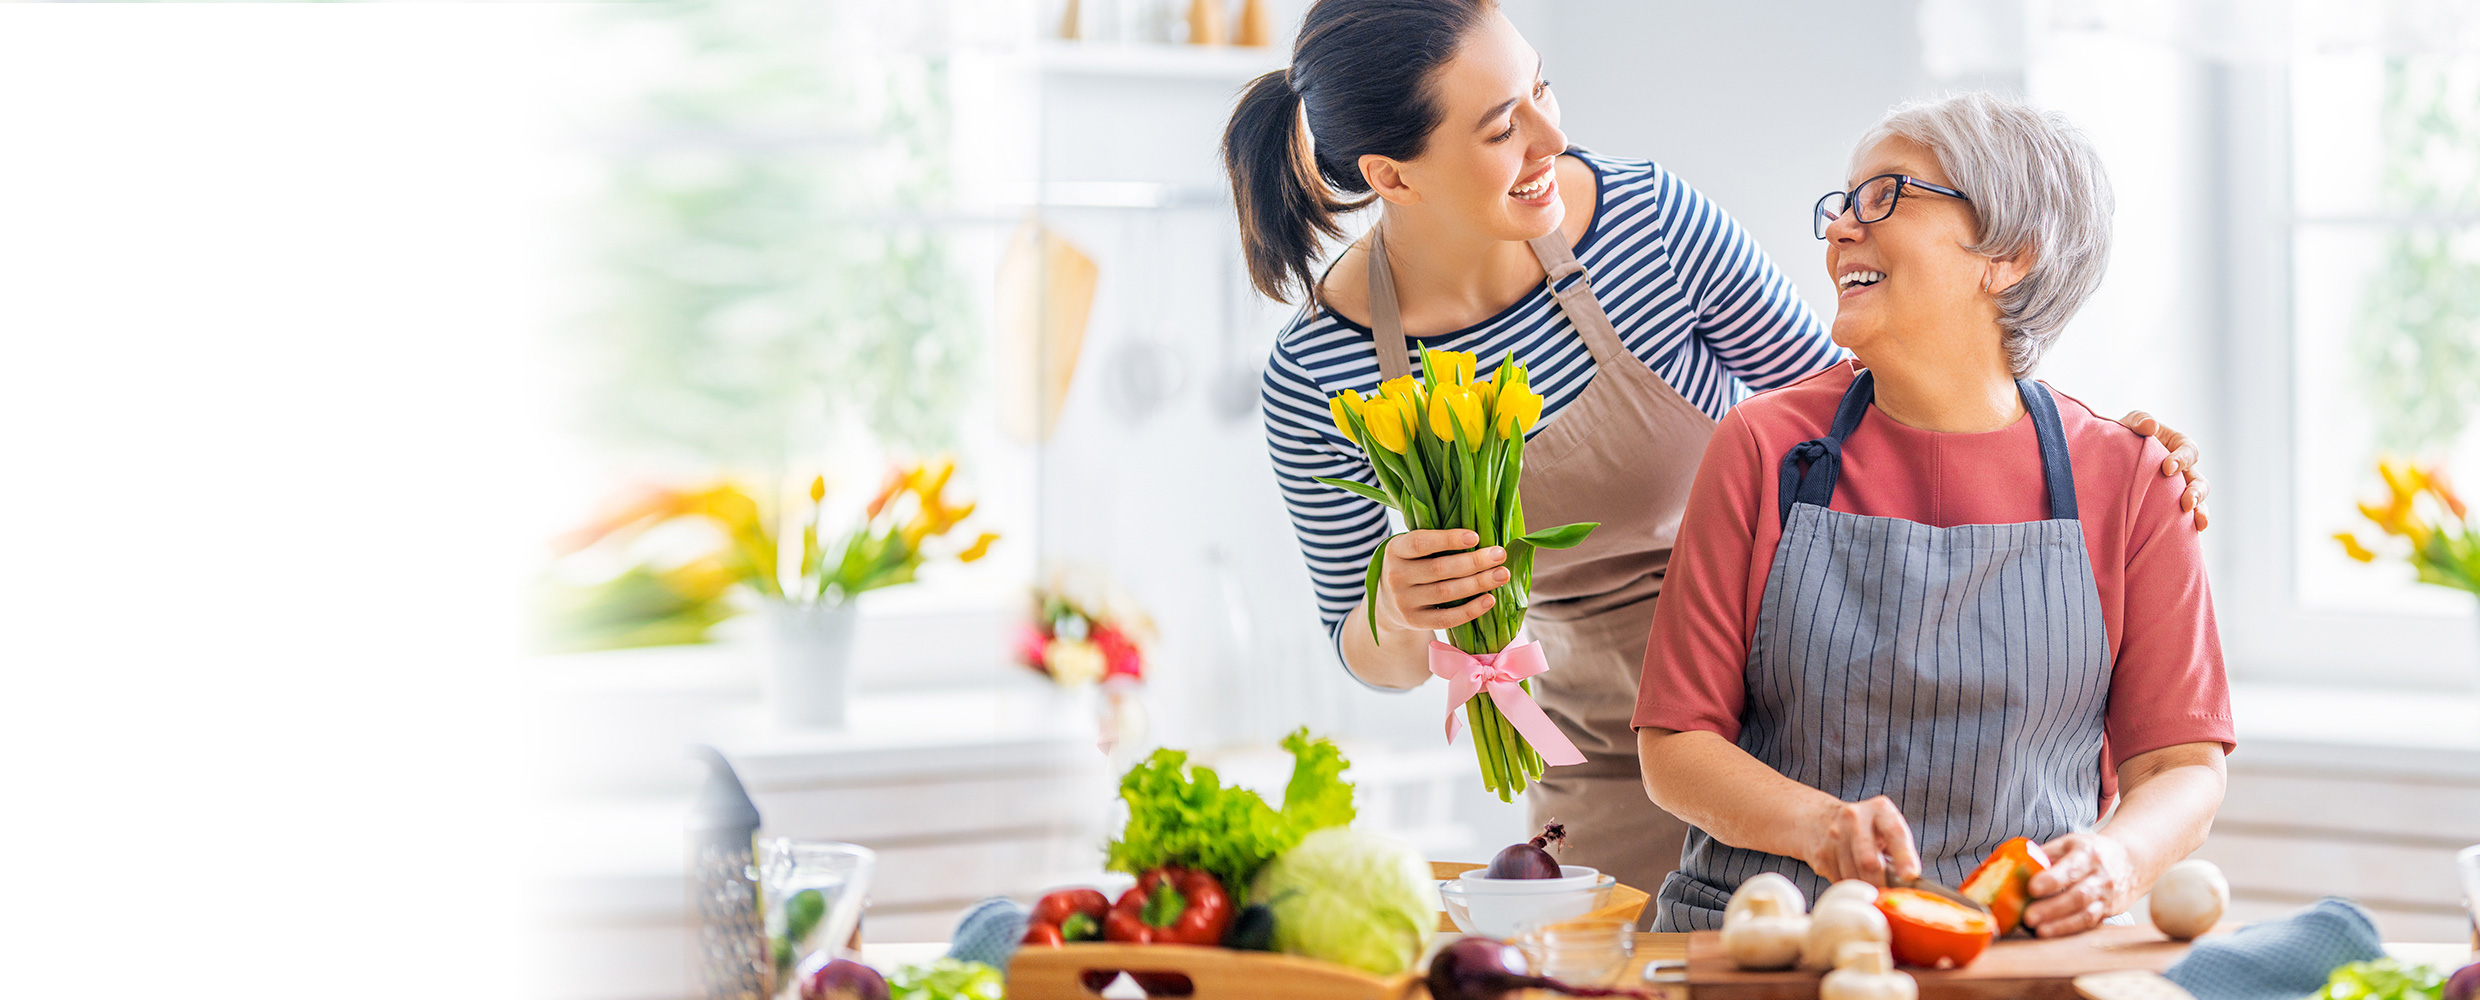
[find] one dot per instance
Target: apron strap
(2057, 470)
(1810, 469)
(1386, 315)
(1572, 285)
(1569, 283)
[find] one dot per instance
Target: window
(2350, 255)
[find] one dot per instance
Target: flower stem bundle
(1448, 451)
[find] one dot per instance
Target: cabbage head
(1352, 898)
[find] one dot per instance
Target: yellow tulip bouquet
(1448, 450)
(2422, 508)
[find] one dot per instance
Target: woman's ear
(1386, 180)
(2003, 272)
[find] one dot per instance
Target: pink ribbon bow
(1469, 674)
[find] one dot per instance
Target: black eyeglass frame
(1819, 219)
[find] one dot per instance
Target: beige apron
(1622, 453)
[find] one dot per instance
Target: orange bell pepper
(2004, 882)
(1934, 932)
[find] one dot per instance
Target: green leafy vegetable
(1353, 898)
(2383, 979)
(1182, 815)
(947, 979)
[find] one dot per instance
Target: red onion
(2464, 984)
(1480, 968)
(844, 979)
(1529, 860)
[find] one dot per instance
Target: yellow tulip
(934, 479)
(1405, 390)
(979, 548)
(1388, 419)
(1450, 367)
(1488, 388)
(1339, 404)
(2388, 518)
(2352, 547)
(818, 489)
(2401, 479)
(1518, 410)
(1452, 407)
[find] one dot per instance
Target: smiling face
(1907, 280)
(1490, 162)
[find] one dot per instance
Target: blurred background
(416, 413)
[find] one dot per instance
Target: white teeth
(1533, 188)
(1859, 278)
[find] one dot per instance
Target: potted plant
(689, 559)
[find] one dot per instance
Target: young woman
(1661, 315)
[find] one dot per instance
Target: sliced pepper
(1170, 905)
(2004, 882)
(1932, 931)
(1067, 915)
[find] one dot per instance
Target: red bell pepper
(2004, 882)
(1067, 915)
(1171, 905)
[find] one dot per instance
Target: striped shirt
(1690, 294)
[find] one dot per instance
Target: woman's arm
(2167, 798)
(1710, 782)
(1747, 311)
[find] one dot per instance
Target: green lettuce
(1183, 815)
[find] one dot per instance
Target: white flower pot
(808, 675)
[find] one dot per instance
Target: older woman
(1919, 603)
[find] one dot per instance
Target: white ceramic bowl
(1571, 878)
(1503, 915)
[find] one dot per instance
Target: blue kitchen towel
(988, 932)
(2282, 959)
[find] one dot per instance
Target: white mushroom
(1763, 935)
(1842, 918)
(1773, 885)
(1851, 888)
(2189, 899)
(1864, 970)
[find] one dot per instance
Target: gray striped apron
(1962, 672)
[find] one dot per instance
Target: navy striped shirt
(1687, 289)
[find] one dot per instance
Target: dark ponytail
(1360, 79)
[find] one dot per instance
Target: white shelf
(1207, 63)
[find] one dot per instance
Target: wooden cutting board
(2016, 967)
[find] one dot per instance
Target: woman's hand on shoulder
(2182, 460)
(1868, 840)
(1425, 570)
(2089, 878)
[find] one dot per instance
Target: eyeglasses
(1875, 199)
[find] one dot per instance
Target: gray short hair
(2036, 184)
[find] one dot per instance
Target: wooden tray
(2014, 967)
(1062, 973)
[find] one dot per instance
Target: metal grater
(731, 957)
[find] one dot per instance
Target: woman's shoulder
(1799, 411)
(2101, 440)
(1318, 353)
(2119, 468)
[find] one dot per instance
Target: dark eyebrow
(1501, 109)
